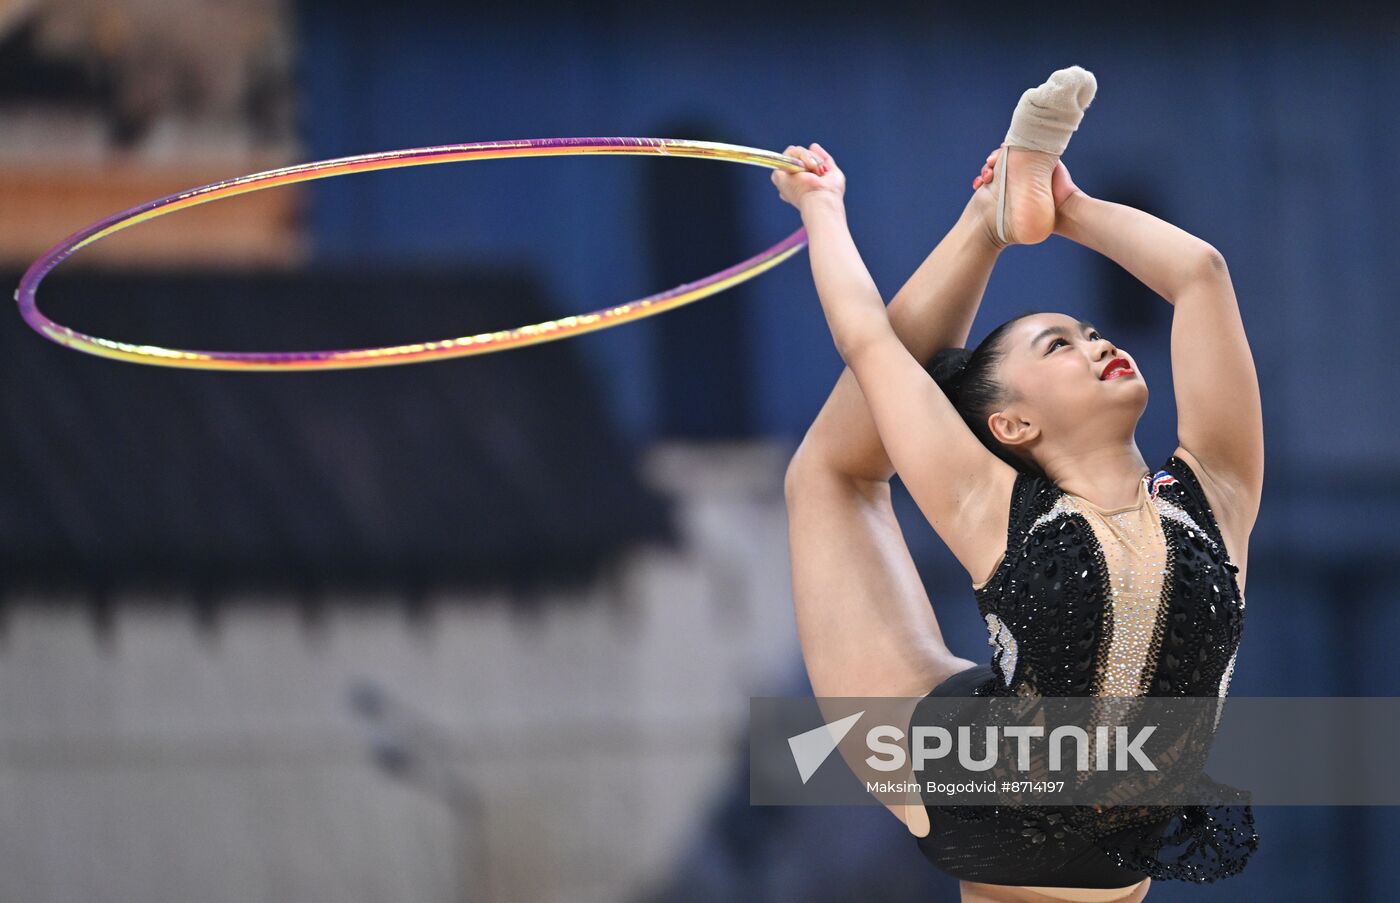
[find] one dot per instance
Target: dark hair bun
(947, 365)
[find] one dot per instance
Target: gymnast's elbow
(1205, 262)
(856, 346)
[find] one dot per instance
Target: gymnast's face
(1052, 367)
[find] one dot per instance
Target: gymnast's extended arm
(1219, 413)
(934, 310)
(945, 467)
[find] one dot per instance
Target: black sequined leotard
(1136, 601)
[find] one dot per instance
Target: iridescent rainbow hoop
(404, 354)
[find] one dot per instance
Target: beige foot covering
(1048, 114)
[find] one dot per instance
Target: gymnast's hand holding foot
(1021, 175)
(1062, 187)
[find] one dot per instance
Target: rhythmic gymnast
(1028, 438)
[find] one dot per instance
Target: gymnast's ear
(1009, 429)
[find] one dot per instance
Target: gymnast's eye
(1052, 345)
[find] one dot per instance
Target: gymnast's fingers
(808, 158)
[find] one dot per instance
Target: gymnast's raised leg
(864, 620)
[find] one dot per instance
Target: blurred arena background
(487, 629)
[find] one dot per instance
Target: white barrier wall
(557, 754)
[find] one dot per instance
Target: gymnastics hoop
(550, 330)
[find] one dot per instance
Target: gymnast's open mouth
(1115, 366)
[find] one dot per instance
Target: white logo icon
(811, 748)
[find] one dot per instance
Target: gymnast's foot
(1029, 217)
(1018, 174)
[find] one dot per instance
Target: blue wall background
(1271, 134)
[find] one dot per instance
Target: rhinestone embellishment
(1135, 601)
(999, 638)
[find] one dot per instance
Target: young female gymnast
(1140, 593)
